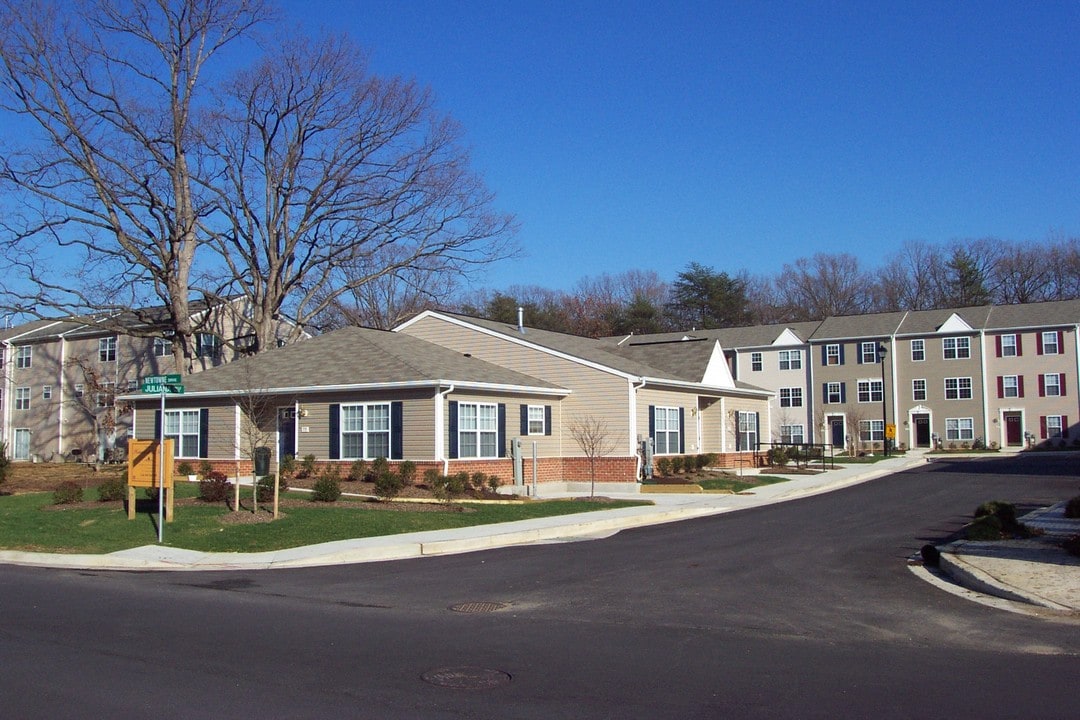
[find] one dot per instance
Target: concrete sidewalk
(1035, 571)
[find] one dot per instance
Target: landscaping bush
(185, 468)
(358, 471)
(431, 478)
(5, 462)
(706, 460)
(407, 470)
(307, 466)
(986, 527)
(1072, 508)
(287, 466)
(493, 483)
(264, 489)
(215, 487)
(1072, 545)
(478, 481)
(778, 456)
(388, 485)
(326, 489)
(112, 489)
(460, 483)
(67, 492)
(663, 466)
(205, 468)
(1005, 512)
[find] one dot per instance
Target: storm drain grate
(466, 678)
(477, 607)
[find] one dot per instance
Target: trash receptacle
(262, 461)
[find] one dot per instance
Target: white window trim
(756, 362)
(1005, 347)
(792, 358)
(478, 432)
(1052, 335)
(921, 349)
(365, 433)
(960, 388)
(107, 349)
(1051, 433)
(542, 419)
(163, 347)
(870, 390)
(871, 431)
(959, 343)
(1057, 384)
(1015, 386)
(801, 433)
(22, 398)
(794, 393)
(960, 431)
(178, 437)
(915, 390)
(829, 393)
(46, 392)
(830, 355)
(868, 349)
(671, 435)
(24, 357)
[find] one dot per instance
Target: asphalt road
(800, 610)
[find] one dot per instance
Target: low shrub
(493, 483)
(185, 468)
(1072, 545)
(1005, 512)
(326, 489)
(287, 466)
(388, 485)
(778, 456)
(431, 478)
(663, 466)
(379, 466)
(706, 460)
(67, 492)
(478, 481)
(677, 465)
(215, 487)
(1072, 508)
(407, 470)
(5, 462)
(986, 527)
(358, 471)
(264, 490)
(112, 489)
(205, 468)
(307, 466)
(460, 483)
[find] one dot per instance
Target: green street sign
(172, 379)
(155, 388)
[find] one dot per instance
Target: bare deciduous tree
(595, 438)
(111, 174)
(823, 285)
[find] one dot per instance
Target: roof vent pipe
(521, 320)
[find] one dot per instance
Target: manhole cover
(477, 607)
(467, 678)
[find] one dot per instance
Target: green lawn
(25, 525)
(739, 484)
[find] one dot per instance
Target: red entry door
(1014, 433)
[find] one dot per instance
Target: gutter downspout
(1076, 342)
(638, 461)
(440, 427)
(895, 382)
(60, 392)
(6, 398)
(985, 386)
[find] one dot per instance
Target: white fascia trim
(405, 385)
(707, 389)
(31, 332)
(518, 341)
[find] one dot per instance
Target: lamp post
(881, 349)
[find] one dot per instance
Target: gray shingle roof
(1061, 312)
(355, 356)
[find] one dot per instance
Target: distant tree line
(918, 276)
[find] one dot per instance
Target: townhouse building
(1002, 375)
(61, 377)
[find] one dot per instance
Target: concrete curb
(973, 578)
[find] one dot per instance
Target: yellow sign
(890, 431)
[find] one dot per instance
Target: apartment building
(1003, 375)
(61, 377)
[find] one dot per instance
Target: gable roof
(736, 337)
(1059, 312)
(355, 357)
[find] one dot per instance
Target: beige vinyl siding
(595, 392)
(418, 422)
(43, 417)
(546, 445)
(712, 412)
(733, 405)
(650, 397)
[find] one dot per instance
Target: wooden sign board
(144, 457)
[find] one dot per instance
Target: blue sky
(743, 135)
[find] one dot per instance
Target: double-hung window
(959, 429)
(163, 347)
(871, 391)
(791, 397)
(666, 430)
(792, 434)
(1010, 386)
(208, 345)
(918, 350)
(755, 362)
(790, 359)
(1055, 428)
(956, 348)
(868, 353)
(365, 431)
(46, 392)
(918, 389)
(871, 430)
(22, 398)
(183, 427)
(834, 393)
(24, 357)
(1008, 346)
(478, 430)
(1050, 345)
(107, 349)
(832, 354)
(1051, 385)
(958, 388)
(536, 420)
(748, 431)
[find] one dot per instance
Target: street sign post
(162, 385)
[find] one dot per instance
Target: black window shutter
(547, 419)
(652, 422)
(157, 424)
(825, 393)
(757, 431)
(682, 430)
(204, 433)
(397, 430)
(843, 392)
(841, 353)
(824, 354)
(524, 420)
(453, 449)
(502, 430)
(738, 432)
(858, 354)
(335, 431)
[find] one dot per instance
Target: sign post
(162, 385)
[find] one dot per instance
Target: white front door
(22, 444)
